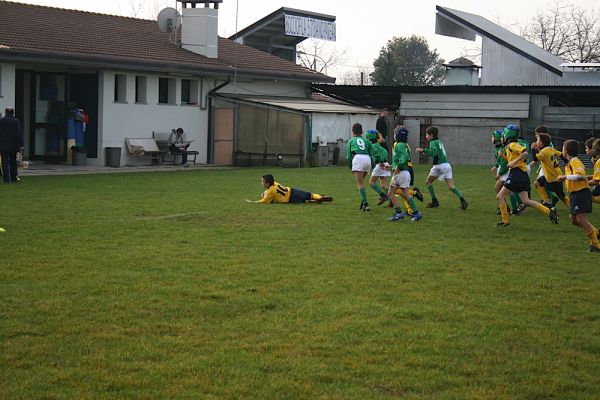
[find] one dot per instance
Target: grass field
(168, 285)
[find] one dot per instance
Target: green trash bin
(113, 157)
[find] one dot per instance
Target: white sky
(363, 27)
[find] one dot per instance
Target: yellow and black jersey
(276, 193)
(513, 151)
(576, 167)
(596, 176)
(548, 158)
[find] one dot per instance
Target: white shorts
(504, 177)
(361, 163)
(401, 180)
(441, 171)
(378, 171)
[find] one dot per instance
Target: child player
(277, 193)
(401, 136)
(540, 182)
(549, 160)
(359, 161)
(401, 178)
(581, 197)
(381, 171)
(501, 168)
(441, 168)
(518, 179)
(592, 149)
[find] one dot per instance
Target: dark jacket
(11, 134)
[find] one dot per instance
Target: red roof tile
(49, 32)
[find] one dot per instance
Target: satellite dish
(168, 19)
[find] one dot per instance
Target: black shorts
(557, 188)
(299, 196)
(411, 171)
(581, 202)
(517, 181)
(596, 191)
(542, 181)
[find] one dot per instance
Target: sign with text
(309, 27)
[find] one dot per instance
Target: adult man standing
(11, 141)
(382, 126)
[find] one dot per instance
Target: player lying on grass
(277, 193)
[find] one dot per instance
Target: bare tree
(319, 55)
(147, 9)
(357, 76)
(567, 31)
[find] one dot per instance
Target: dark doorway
(83, 91)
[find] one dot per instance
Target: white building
(132, 79)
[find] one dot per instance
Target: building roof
(389, 97)
(38, 33)
(461, 62)
(466, 26)
(304, 105)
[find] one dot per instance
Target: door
(223, 136)
(49, 117)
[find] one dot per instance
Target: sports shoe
(593, 249)
(416, 216)
(546, 204)
(464, 204)
(418, 195)
(553, 216)
(382, 199)
(365, 207)
(397, 216)
(502, 224)
(520, 209)
(325, 199)
(434, 203)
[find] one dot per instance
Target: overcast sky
(363, 27)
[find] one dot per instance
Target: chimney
(199, 27)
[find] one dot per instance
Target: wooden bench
(162, 142)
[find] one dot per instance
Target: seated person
(178, 143)
(278, 193)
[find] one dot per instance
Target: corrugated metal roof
(306, 105)
(486, 28)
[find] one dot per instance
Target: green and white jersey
(401, 156)
(378, 153)
(436, 151)
(357, 145)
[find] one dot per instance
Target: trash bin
(113, 156)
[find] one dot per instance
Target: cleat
(434, 204)
(397, 217)
(520, 209)
(593, 249)
(546, 204)
(464, 204)
(416, 216)
(502, 224)
(325, 199)
(382, 199)
(418, 195)
(365, 207)
(553, 216)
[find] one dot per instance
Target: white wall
(120, 120)
(267, 88)
(128, 119)
(7, 86)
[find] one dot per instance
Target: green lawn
(168, 285)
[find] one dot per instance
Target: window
(189, 91)
(141, 91)
(120, 88)
(166, 91)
